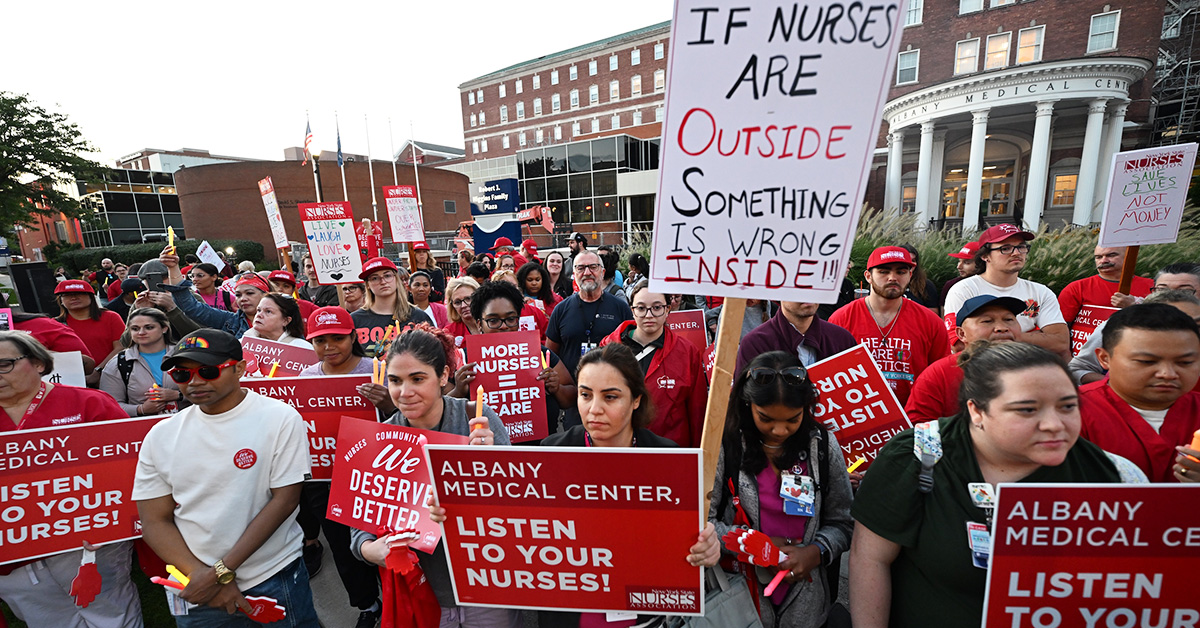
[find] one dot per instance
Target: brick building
(1007, 111)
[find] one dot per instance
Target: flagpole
(392, 143)
(416, 173)
(341, 162)
(371, 169)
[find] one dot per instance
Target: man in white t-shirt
(218, 489)
(1002, 252)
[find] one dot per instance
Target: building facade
(129, 207)
(158, 160)
(1007, 111)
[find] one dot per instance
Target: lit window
(909, 201)
(574, 99)
(595, 125)
(482, 118)
(614, 90)
(504, 141)
(483, 145)
(997, 51)
(537, 106)
(503, 114)
(906, 67)
(592, 67)
(555, 103)
(635, 56)
(479, 96)
(660, 80)
(473, 120)
(520, 86)
(612, 62)
(635, 85)
(658, 51)
(1103, 33)
(1064, 189)
(502, 92)
(637, 118)
(969, 6)
(558, 132)
(554, 77)
(1000, 3)
(915, 9)
(521, 139)
(539, 136)
(574, 73)
(537, 81)
(575, 129)
(966, 56)
(521, 110)
(616, 121)
(1029, 44)
(470, 98)
(593, 94)
(658, 114)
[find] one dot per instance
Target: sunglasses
(792, 375)
(207, 373)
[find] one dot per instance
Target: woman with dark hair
(278, 318)
(331, 332)
(1018, 421)
(465, 257)
(207, 280)
(782, 473)
(424, 261)
(560, 280)
(99, 329)
(135, 377)
(534, 281)
(420, 288)
(921, 289)
(478, 271)
(639, 269)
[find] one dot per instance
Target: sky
(237, 78)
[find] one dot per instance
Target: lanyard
(33, 405)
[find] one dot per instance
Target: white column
(1085, 186)
(1110, 147)
(1039, 166)
(975, 170)
(936, 175)
(924, 164)
(895, 168)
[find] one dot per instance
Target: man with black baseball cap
(218, 488)
(578, 244)
(986, 317)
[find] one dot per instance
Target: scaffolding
(1177, 76)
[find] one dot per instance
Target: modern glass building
(129, 207)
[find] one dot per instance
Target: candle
(273, 368)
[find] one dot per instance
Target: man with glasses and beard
(218, 489)
(1088, 301)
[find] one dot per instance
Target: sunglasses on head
(183, 375)
(792, 375)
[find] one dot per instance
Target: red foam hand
(752, 547)
(86, 585)
(265, 610)
(400, 558)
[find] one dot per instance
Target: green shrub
(76, 261)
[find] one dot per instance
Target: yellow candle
(858, 463)
(479, 402)
(273, 368)
(171, 238)
(184, 580)
(545, 360)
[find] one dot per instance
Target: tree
(38, 150)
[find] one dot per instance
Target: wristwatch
(825, 554)
(225, 575)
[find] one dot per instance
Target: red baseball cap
(253, 280)
(889, 255)
(420, 246)
(501, 242)
(1000, 233)
(967, 251)
(530, 245)
(282, 275)
(74, 285)
(374, 264)
(329, 320)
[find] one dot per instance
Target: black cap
(974, 304)
(132, 285)
(577, 237)
(206, 346)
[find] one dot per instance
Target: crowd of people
(1004, 380)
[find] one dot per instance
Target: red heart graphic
(794, 491)
(348, 246)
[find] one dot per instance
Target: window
(635, 85)
(592, 67)
(637, 118)
(614, 90)
(475, 146)
(908, 200)
(473, 120)
(521, 110)
(470, 98)
(660, 80)
(1029, 44)
(612, 63)
(1064, 190)
(574, 99)
(635, 56)
(915, 10)
(1103, 34)
(554, 77)
(575, 129)
(537, 81)
(555, 103)
(502, 92)
(479, 96)
(521, 139)
(449, 207)
(539, 136)
(593, 94)
(966, 56)
(1000, 3)
(658, 114)
(482, 118)
(558, 132)
(503, 114)
(616, 121)
(483, 145)
(997, 51)
(504, 141)
(595, 125)
(969, 6)
(574, 73)
(537, 106)
(658, 51)
(906, 67)
(520, 87)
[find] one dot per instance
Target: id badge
(982, 494)
(798, 496)
(585, 347)
(980, 542)
(175, 604)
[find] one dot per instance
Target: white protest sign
(274, 218)
(403, 213)
(329, 228)
(1146, 194)
(772, 116)
(208, 255)
(68, 369)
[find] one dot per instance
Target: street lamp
(315, 151)
(229, 250)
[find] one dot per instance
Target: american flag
(308, 140)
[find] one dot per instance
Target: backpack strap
(124, 367)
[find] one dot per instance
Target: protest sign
(329, 228)
(262, 355)
(61, 486)
(1091, 555)
(857, 404)
(1089, 318)
(507, 366)
(68, 369)
(403, 213)
(1146, 194)
(382, 479)
(5, 319)
(689, 324)
(369, 244)
(767, 146)
(322, 403)
(572, 529)
(274, 218)
(208, 255)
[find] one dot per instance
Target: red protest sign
(1079, 555)
(321, 402)
(507, 366)
(573, 529)
(261, 355)
(329, 230)
(689, 324)
(61, 486)
(382, 478)
(857, 404)
(369, 244)
(1089, 318)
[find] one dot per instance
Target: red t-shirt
(67, 405)
(935, 393)
(914, 340)
(1088, 302)
(1113, 425)
(53, 335)
(100, 335)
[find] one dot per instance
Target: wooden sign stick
(729, 335)
(1127, 271)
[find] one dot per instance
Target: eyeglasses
(1009, 249)
(381, 277)
(1187, 289)
(461, 302)
(6, 366)
(207, 373)
(792, 375)
(497, 323)
(591, 268)
(655, 310)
